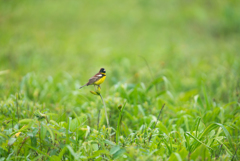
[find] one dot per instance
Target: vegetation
(172, 86)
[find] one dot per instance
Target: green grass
(184, 54)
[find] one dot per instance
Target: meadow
(172, 90)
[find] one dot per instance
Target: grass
(183, 54)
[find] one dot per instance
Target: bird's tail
(83, 86)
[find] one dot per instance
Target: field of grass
(172, 90)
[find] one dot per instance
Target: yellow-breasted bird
(97, 79)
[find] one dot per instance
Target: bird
(97, 79)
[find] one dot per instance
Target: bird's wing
(94, 78)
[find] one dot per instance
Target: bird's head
(102, 70)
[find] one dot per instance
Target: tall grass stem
(99, 111)
(17, 105)
(105, 110)
(119, 123)
(157, 121)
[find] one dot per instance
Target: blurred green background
(181, 53)
(188, 41)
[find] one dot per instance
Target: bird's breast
(100, 81)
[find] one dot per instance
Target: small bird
(97, 79)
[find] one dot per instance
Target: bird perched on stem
(97, 79)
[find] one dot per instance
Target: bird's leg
(95, 88)
(99, 86)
